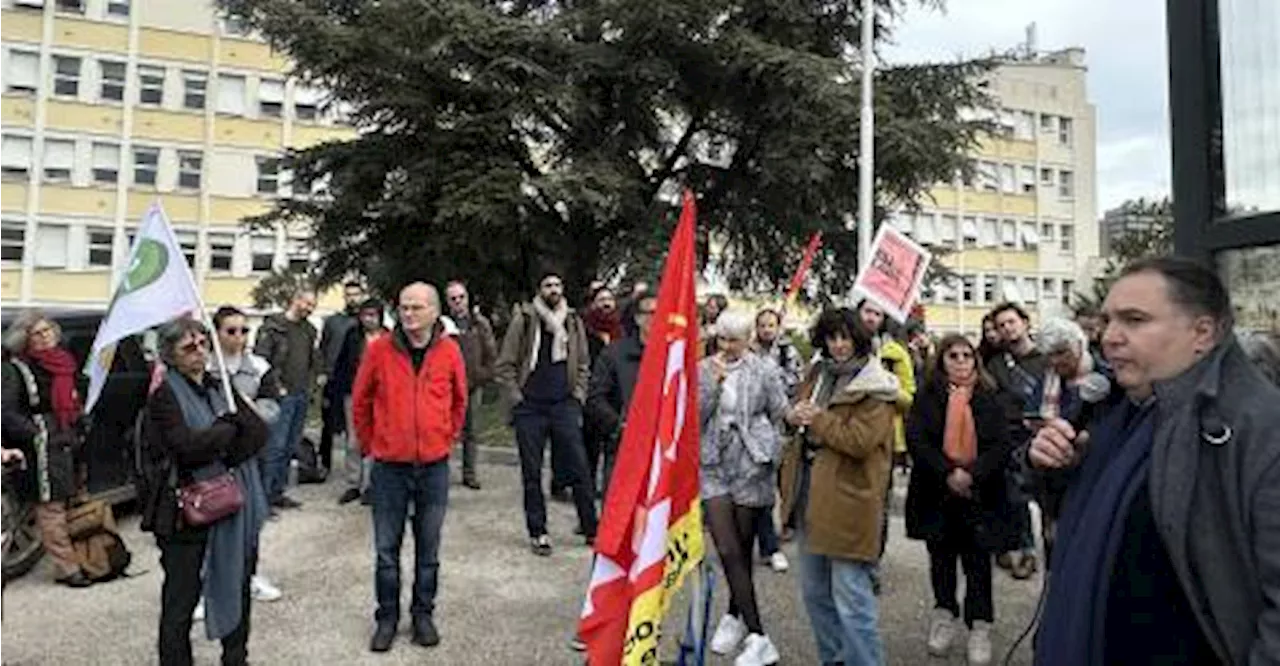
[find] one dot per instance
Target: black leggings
(733, 530)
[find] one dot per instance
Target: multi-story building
(109, 105)
(1024, 228)
(1122, 221)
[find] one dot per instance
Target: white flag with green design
(156, 287)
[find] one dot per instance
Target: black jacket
(613, 380)
(348, 362)
(18, 424)
(932, 511)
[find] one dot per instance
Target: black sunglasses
(236, 331)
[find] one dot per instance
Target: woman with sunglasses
(190, 426)
(956, 502)
(42, 415)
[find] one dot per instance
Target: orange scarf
(960, 438)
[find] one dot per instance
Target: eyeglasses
(455, 299)
(200, 344)
(644, 313)
(959, 355)
(42, 331)
(236, 331)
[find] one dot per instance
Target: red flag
(650, 536)
(802, 270)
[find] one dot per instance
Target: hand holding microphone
(1057, 445)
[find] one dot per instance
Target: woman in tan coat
(834, 475)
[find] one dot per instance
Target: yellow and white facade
(109, 105)
(1025, 228)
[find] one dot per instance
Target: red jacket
(403, 416)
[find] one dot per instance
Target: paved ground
(498, 604)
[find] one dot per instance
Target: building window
(926, 230)
(1065, 131)
(947, 231)
(59, 157)
(1009, 234)
(112, 81)
(194, 85)
(1030, 237)
(989, 232)
(66, 76)
(13, 241)
(306, 103)
(118, 8)
(51, 246)
(969, 232)
(1046, 178)
(1066, 184)
(15, 157)
(150, 85)
(231, 94)
(299, 259)
(221, 251)
(989, 289)
(268, 175)
(22, 72)
(1028, 290)
(146, 161)
(271, 98)
(1047, 124)
(74, 6)
(988, 177)
(967, 285)
(1024, 126)
(100, 242)
(1068, 291)
(234, 25)
(106, 162)
(187, 243)
(1027, 179)
(1049, 289)
(263, 253)
(189, 165)
(1067, 238)
(1046, 233)
(1008, 179)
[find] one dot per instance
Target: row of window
(990, 289)
(61, 160)
(159, 86)
(62, 246)
(932, 229)
(1022, 125)
(1012, 178)
(119, 9)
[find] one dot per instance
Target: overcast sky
(1125, 54)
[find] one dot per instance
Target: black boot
(383, 636)
(424, 631)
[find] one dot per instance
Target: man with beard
(332, 335)
(544, 369)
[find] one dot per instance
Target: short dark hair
(549, 272)
(883, 324)
(1193, 287)
(370, 304)
(768, 311)
(840, 320)
(224, 312)
(631, 309)
(1006, 307)
(353, 284)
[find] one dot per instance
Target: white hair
(735, 324)
(1264, 351)
(1059, 333)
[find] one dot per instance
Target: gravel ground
(498, 604)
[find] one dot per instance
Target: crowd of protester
(1143, 434)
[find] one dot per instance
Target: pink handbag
(210, 500)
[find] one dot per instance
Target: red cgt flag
(650, 537)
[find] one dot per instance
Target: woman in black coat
(957, 501)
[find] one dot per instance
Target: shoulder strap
(29, 379)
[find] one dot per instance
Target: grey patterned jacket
(740, 450)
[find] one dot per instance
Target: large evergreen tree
(498, 136)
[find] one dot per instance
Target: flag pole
(866, 135)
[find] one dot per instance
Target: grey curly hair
(19, 332)
(172, 333)
(735, 324)
(1061, 333)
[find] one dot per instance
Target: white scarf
(554, 319)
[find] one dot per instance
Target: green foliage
(497, 138)
(276, 289)
(1150, 241)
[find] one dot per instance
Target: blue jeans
(842, 608)
(394, 486)
(285, 435)
(766, 533)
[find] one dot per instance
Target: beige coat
(513, 367)
(850, 470)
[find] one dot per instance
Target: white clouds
(1126, 56)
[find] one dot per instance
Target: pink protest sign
(892, 279)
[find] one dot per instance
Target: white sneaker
(758, 651)
(778, 561)
(942, 630)
(980, 644)
(729, 633)
(263, 590)
(198, 616)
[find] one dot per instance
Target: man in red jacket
(409, 404)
